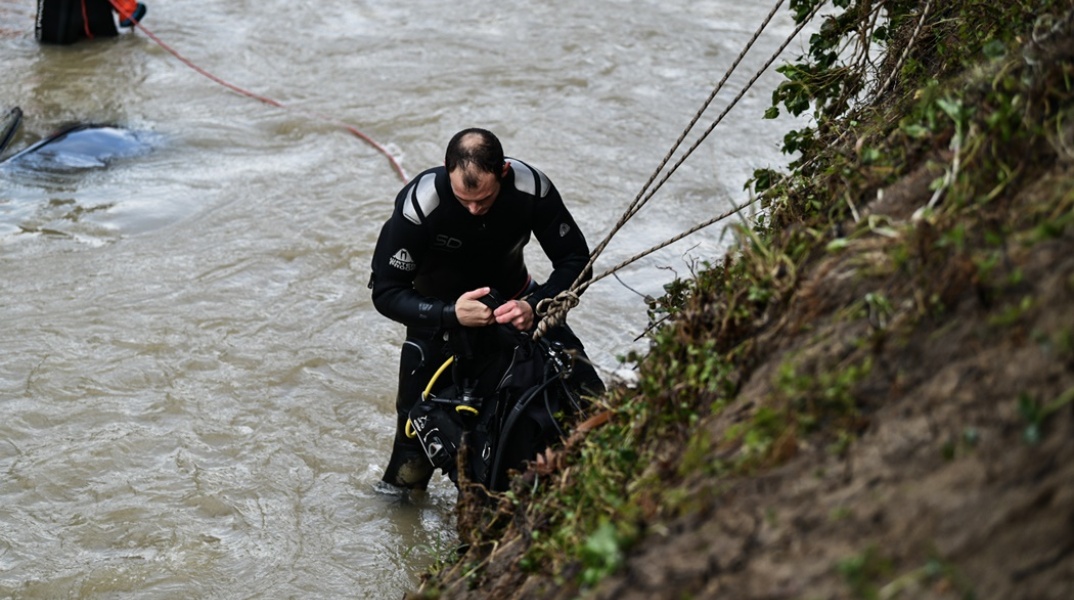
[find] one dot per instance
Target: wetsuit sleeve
(562, 241)
(400, 249)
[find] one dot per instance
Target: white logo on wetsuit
(564, 229)
(402, 261)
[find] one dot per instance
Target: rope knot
(553, 311)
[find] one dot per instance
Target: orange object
(125, 8)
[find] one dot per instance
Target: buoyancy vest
(505, 405)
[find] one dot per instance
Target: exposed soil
(942, 496)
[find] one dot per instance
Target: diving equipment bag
(507, 403)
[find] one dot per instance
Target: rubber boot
(409, 468)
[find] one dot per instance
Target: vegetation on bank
(976, 98)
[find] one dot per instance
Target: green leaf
(837, 244)
(994, 49)
(916, 131)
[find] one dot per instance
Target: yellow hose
(409, 429)
(432, 382)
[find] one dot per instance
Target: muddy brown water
(196, 393)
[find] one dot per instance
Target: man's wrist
(448, 318)
(532, 304)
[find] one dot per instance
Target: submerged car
(71, 148)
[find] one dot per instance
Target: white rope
(554, 310)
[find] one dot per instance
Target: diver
(68, 21)
(458, 231)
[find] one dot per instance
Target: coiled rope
(271, 102)
(554, 310)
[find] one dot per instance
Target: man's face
(477, 199)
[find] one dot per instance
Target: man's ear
(506, 168)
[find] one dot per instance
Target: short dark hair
(483, 151)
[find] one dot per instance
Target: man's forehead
(472, 179)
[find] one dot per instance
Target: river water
(196, 392)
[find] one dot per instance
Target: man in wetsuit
(457, 232)
(67, 21)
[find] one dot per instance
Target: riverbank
(873, 397)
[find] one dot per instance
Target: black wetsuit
(67, 21)
(432, 250)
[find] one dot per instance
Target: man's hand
(471, 312)
(518, 313)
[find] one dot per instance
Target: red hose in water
(122, 7)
